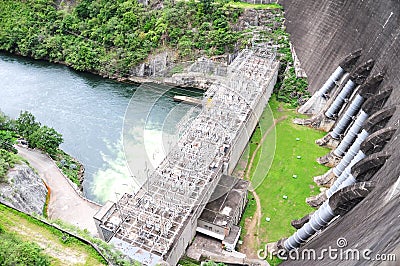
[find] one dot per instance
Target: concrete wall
(247, 130)
(322, 33)
(182, 243)
(220, 230)
(189, 231)
(104, 233)
(234, 220)
(239, 211)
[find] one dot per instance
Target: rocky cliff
(322, 33)
(166, 66)
(24, 190)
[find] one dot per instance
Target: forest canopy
(110, 37)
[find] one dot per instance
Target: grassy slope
(186, 261)
(279, 179)
(62, 249)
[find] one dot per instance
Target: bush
(46, 139)
(14, 251)
(7, 140)
(292, 88)
(41, 137)
(7, 161)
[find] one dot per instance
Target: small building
(107, 220)
(220, 217)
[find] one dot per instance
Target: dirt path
(251, 240)
(55, 244)
(66, 256)
(65, 204)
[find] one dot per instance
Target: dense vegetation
(110, 37)
(8, 157)
(26, 127)
(289, 88)
(7, 161)
(37, 136)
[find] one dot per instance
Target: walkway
(65, 204)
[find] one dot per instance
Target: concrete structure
(325, 119)
(349, 123)
(220, 217)
(350, 145)
(323, 31)
(106, 213)
(339, 204)
(157, 223)
(318, 101)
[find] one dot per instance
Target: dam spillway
(157, 223)
(322, 33)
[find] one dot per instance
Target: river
(89, 112)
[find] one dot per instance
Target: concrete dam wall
(323, 32)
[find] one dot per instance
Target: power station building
(192, 190)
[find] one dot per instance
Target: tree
(26, 124)
(207, 6)
(3, 120)
(7, 161)
(7, 141)
(46, 139)
(6, 123)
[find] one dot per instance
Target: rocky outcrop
(167, 67)
(191, 80)
(156, 65)
(201, 74)
(24, 190)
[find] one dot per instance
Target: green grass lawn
(279, 154)
(61, 248)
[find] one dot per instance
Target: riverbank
(65, 203)
(71, 168)
(134, 40)
(165, 43)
